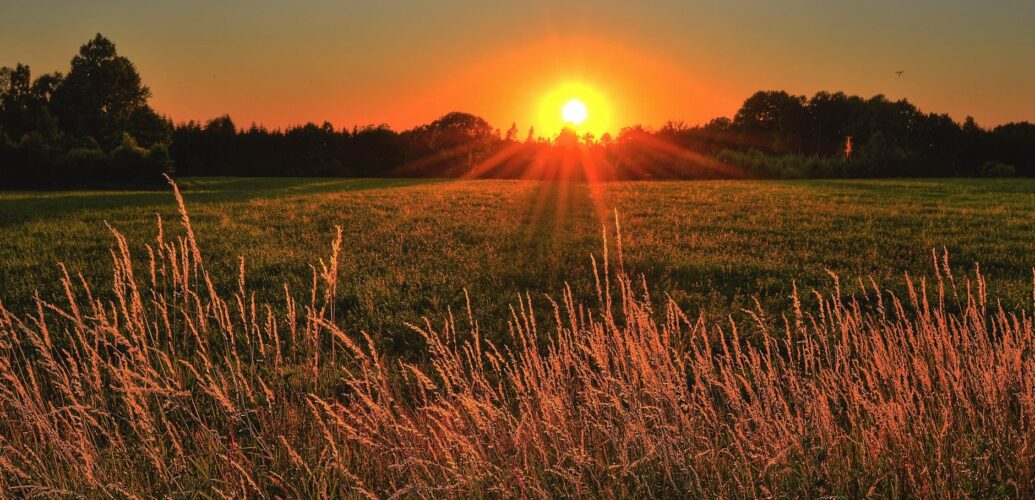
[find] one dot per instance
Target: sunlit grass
(184, 383)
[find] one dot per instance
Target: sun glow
(574, 105)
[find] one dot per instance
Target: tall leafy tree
(100, 94)
(774, 119)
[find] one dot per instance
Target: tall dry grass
(173, 389)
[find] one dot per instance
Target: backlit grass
(177, 381)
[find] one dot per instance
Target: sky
(404, 63)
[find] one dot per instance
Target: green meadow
(412, 247)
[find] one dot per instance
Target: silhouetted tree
(512, 133)
(567, 138)
(24, 103)
(1014, 144)
(449, 146)
(773, 120)
(60, 130)
(100, 93)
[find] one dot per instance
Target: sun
(574, 112)
(571, 104)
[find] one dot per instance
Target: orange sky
(406, 62)
(620, 84)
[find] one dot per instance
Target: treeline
(776, 134)
(448, 147)
(773, 135)
(94, 126)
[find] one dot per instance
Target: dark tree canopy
(23, 102)
(100, 93)
(91, 125)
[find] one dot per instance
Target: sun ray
(715, 167)
(499, 158)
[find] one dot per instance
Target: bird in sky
(899, 72)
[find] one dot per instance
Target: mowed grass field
(411, 247)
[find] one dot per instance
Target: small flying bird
(899, 72)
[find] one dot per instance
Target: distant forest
(93, 126)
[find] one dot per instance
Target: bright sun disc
(574, 112)
(574, 105)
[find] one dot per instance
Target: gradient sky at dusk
(407, 62)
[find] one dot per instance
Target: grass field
(170, 377)
(412, 247)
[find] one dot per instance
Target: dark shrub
(996, 169)
(765, 166)
(82, 164)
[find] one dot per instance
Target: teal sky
(406, 62)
